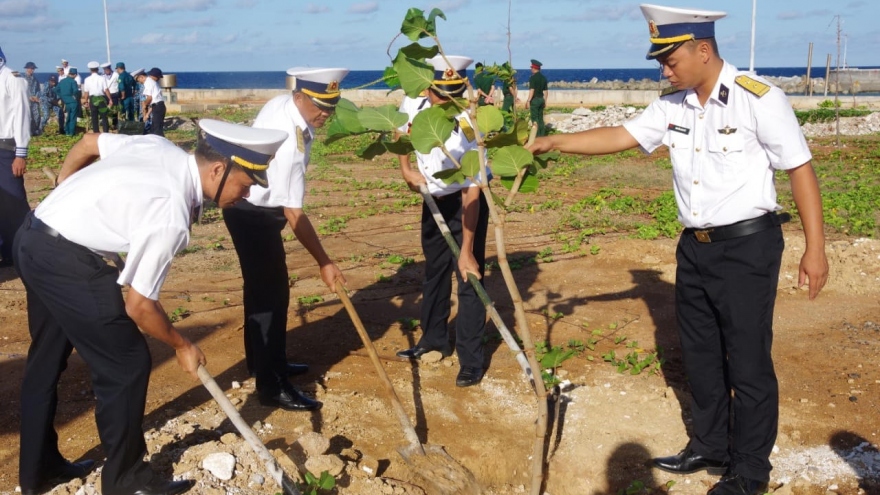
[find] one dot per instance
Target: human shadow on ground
(659, 298)
(628, 471)
(862, 456)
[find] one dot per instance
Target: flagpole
(107, 31)
(752, 51)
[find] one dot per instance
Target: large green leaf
(347, 116)
(450, 175)
(372, 150)
(430, 129)
(417, 51)
(392, 80)
(415, 75)
(432, 19)
(510, 159)
(470, 163)
(518, 135)
(454, 107)
(415, 25)
(403, 145)
(544, 159)
(489, 119)
(529, 183)
(384, 119)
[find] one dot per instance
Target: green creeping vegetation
(611, 210)
(827, 114)
(309, 300)
(634, 360)
(179, 314)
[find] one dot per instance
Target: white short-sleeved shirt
(112, 82)
(139, 199)
(95, 85)
(15, 114)
(458, 144)
(151, 88)
(287, 171)
(724, 154)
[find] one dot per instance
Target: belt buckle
(703, 235)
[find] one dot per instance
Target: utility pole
(837, 84)
(107, 31)
(752, 51)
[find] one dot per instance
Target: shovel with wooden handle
(252, 439)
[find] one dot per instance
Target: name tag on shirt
(678, 128)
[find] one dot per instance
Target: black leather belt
(39, 226)
(739, 229)
(7, 144)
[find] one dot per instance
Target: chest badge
(300, 141)
(727, 130)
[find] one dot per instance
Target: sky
(269, 35)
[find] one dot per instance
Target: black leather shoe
(162, 487)
(468, 376)
(67, 472)
(416, 352)
(297, 369)
(735, 484)
(291, 399)
(687, 461)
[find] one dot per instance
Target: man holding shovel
(140, 198)
(727, 133)
(255, 226)
(464, 209)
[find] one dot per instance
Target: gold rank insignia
(727, 130)
(467, 129)
(757, 88)
(333, 87)
(300, 141)
(653, 30)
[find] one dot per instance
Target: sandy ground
(609, 424)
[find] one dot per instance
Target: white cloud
(34, 24)
(164, 6)
(22, 8)
(167, 39)
(791, 15)
(191, 23)
(363, 8)
(316, 9)
(604, 13)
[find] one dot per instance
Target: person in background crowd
(154, 102)
(537, 97)
(728, 133)
(66, 68)
(256, 224)
(126, 88)
(139, 78)
(112, 79)
(465, 211)
(50, 104)
(141, 196)
(96, 94)
(15, 135)
(33, 92)
(70, 95)
(484, 83)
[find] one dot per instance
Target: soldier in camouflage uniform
(33, 93)
(50, 103)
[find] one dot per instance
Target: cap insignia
(652, 28)
(449, 74)
(333, 87)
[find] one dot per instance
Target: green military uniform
(484, 82)
(538, 83)
(70, 94)
(507, 105)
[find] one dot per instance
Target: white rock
(236, 385)
(330, 463)
(582, 111)
(313, 444)
(220, 464)
(257, 479)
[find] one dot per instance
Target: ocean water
(370, 79)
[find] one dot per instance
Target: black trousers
(158, 119)
(256, 234)
(74, 303)
(114, 102)
(724, 295)
(95, 115)
(13, 203)
(470, 323)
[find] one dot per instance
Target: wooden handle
(262, 452)
(408, 431)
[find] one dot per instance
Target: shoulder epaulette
(757, 88)
(466, 128)
(669, 91)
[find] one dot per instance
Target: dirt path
(610, 424)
